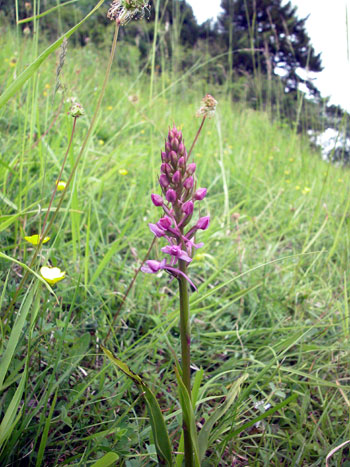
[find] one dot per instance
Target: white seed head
(124, 11)
(208, 107)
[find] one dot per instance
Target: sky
(328, 33)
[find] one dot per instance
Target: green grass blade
(16, 333)
(204, 434)
(108, 459)
(24, 266)
(50, 10)
(10, 420)
(262, 416)
(46, 432)
(31, 69)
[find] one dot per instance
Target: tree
(267, 37)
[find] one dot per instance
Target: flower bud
(200, 194)
(175, 144)
(165, 222)
(176, 177)
(191, 168)
(188, 183)
(171, 195)
(181, 162)
(157, 200)
(163, 181)
(167, 147)
(203, 223)
(163, 167)
(173, 157)
(165, 157)
(181, 149)
(187, 208)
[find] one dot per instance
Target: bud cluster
(178, 185)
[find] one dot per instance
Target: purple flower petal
(156, 230)
(203, 223)
(200, 194)
(157, 200)
(165, 222)
(175, 250)
(152, 267)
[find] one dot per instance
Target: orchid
(178, 202)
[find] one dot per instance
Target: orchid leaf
(159, 431)
(188, 416)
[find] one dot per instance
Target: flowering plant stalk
(180, 198)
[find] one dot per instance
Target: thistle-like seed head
(77, 110)
(124, 11)
(208, 107)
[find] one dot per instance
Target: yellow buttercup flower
(306, 190)
(52, 275)
(101, 142)
(47, 86)
(123, 172)
(61, 185)
(297, 187)
(34, 239)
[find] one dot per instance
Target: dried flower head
(76, 110)
(133, 99)
(124, 11)
(208, 107)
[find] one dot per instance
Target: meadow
(272, 276)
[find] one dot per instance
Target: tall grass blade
(33, 67)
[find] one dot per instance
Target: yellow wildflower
(101, 142)
(47, 86)
(61, 185)
(297, 187)
(306, 190)
(45, 93)
(34, 239)
(110, 107)
(123, 172)
(52, 275)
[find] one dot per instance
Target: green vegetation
(270, 320)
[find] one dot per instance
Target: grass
(272, 278)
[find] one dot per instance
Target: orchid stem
(185, 333)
